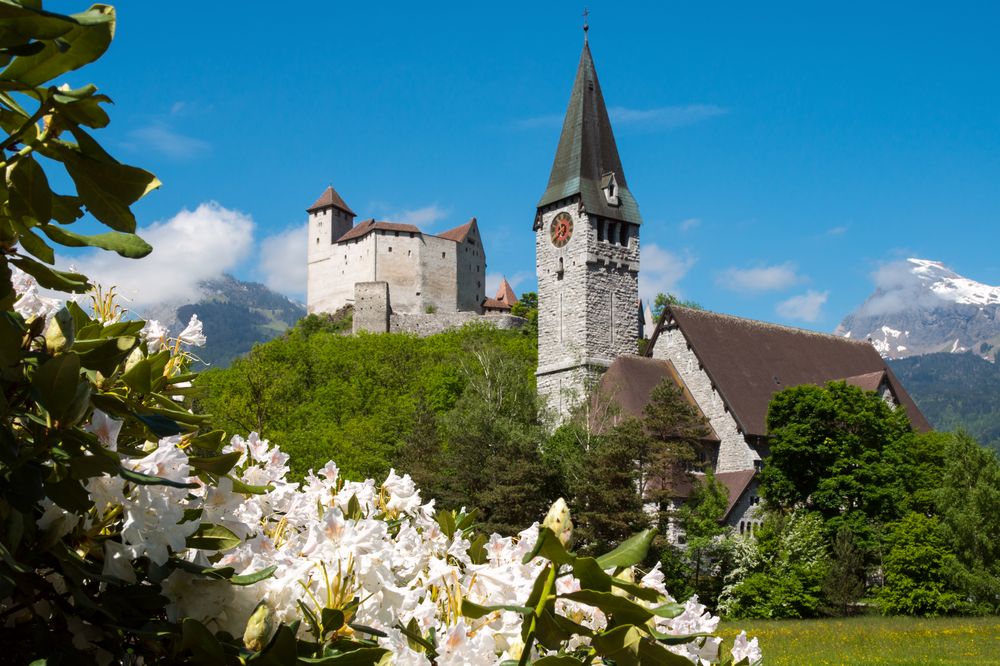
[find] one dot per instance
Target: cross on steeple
(586, 26)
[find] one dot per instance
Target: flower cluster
(375, 552)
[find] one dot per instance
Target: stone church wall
(734, 453)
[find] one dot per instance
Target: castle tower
(329, 219)
(586, 252)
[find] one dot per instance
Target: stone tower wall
(590, 316)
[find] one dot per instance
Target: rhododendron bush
(133, 532)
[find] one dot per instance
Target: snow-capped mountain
(921, 307)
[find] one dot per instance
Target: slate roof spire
(587, 154)
(329, 199)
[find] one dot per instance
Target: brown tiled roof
(459, 233)
(330, 198)
(494, 304)
(363, 228)
(736, 483)
(749, 361)
(869, 381)
(629, 382)
(505, 294)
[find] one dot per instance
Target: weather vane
(586, 27)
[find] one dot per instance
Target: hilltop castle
(397, 277)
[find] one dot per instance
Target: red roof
(736, 483)
(328, 199)
(460, 233)
(364, 228)
(505, 294)
(494, 304)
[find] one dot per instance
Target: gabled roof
(505, 294)
(366, 227)
(460, 233)
(329, 199)
(587, 153)
(749, 361)
(870, 381)
(494, 304)
(629, 382)
(736, 484)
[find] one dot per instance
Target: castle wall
(371, 307)
(423, 325)
(398, 262)
(439, 286)
(471, 270)
(734, 452)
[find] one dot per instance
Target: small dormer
(609, 185)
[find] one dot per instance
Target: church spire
(587, 162)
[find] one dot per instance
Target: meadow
(874, 640)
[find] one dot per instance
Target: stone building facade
(425, 273)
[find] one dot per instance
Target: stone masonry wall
(423, 325)
(371, 307)
(734, 453)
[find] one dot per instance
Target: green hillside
(955, 391)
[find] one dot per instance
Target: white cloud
(661, 271)
(760, 278)
(690, 223)
(493, 281)
(422, 217)
(283, 261)
(190, 247)
(164, 139)
(837, 231)
(804, 307)
(897, 288)
(665, 117)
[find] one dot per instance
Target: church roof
(460, 233)
(366, 227)
(328, 199)
(628, 383)
(587, 154)
(749, 361)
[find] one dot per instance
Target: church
(587, 228)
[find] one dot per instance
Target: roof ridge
(768, 324)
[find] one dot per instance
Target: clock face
(561, 229)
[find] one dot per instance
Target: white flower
(192, 335)
(744, 649)
(106, 429)
(155, 335)
(29, 303)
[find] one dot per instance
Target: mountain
(955, 391)
(922, 307)
(236, 315)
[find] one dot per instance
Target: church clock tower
(586, 252)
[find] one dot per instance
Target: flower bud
(558, 520)
(259, 627)
(60, 334)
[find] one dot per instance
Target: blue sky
(780, 152)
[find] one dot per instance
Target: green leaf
(85, 467)
(629, 553)
(476, 611)
(209, 441)
(213, 537)
(332, 619)
(30, 198)
(30, 241)
(623, 610)
(216, 464)
(559, 660)
(446, 519)
(620, 644)
(55, 383)
(127, 245)
(107, 354)
(205, 648)
(366, 656)
(138, 377)
(148, 480)
(256, 577)
(281, 649)
(549, 547)
(159, 425)
(651, 653)
(591, 576)
(83, 43)
(247, 489)
(51, 278)
(69, 494)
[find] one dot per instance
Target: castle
(396, 277)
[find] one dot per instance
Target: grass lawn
(873, 640)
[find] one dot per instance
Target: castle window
(611, 231)
(442, 255)
(559, 271)
(317, 241)
(600, 228)
(623, 239)
(390, 248)
(396, 233)
(411, 234)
